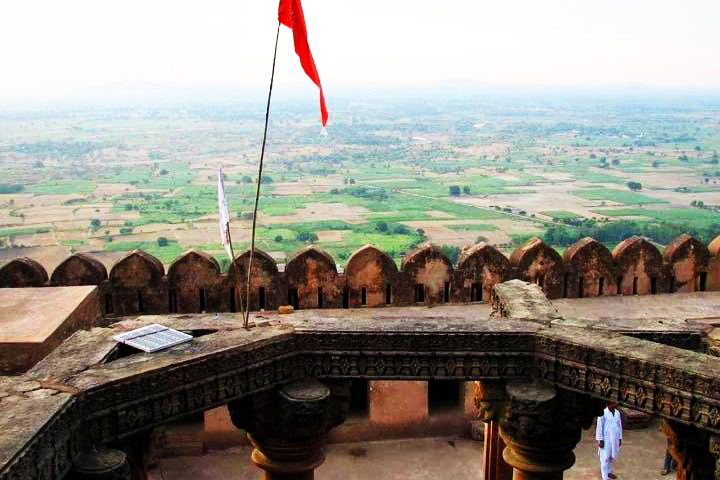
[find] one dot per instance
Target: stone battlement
(194, 282)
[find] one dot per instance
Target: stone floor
(420, 459)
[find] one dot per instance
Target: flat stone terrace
(89, 390)
(33, 321)
(697, 310)
(33, 315)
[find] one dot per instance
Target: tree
(715, 158)
(683, 158)
(246, 179)
(306, 237)
(95, 223)
(162, 242)
(382, 227)
(466, 190)
(452, 252)
(655, 164)
(11, 188)
(454, 190)
(278, 238)
(401, 230)
(634, 186)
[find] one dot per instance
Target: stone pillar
(496, 468)
(141, 453)
(489, 398)
(715, 451)
(288, 427)
(540, 428)
(695, 451)
(105, 464)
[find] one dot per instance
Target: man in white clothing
(609, 438)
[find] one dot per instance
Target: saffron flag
(224, 215)
(290, 14)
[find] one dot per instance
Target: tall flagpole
(259, 179)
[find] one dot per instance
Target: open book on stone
(152, 338)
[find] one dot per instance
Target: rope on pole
(246, 319)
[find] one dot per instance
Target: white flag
(224, 215)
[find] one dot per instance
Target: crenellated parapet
(23, 272)
(639, 267)
(194, 282)
(538, 263)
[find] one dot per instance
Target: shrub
(11, 188)
(306, 237)
(452, 252)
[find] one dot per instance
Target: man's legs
(604, 467)
(611, 468)
(667, 464)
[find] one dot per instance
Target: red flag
(290, 14)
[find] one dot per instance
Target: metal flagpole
(259, 179)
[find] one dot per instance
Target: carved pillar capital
(489, 397)
(540, 430)
(288, 427)
(104, 464)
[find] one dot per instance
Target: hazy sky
(62, 50)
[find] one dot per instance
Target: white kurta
(609, 430)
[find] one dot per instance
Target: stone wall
(194, 282)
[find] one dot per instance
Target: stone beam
(518, 300)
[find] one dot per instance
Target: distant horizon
(158, 96)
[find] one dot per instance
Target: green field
(620, 196)
(560, 214)
(473, 227)
(16, 231)
(61, 187)
(697, 217)
(165, 254)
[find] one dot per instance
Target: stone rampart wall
(138, 283)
